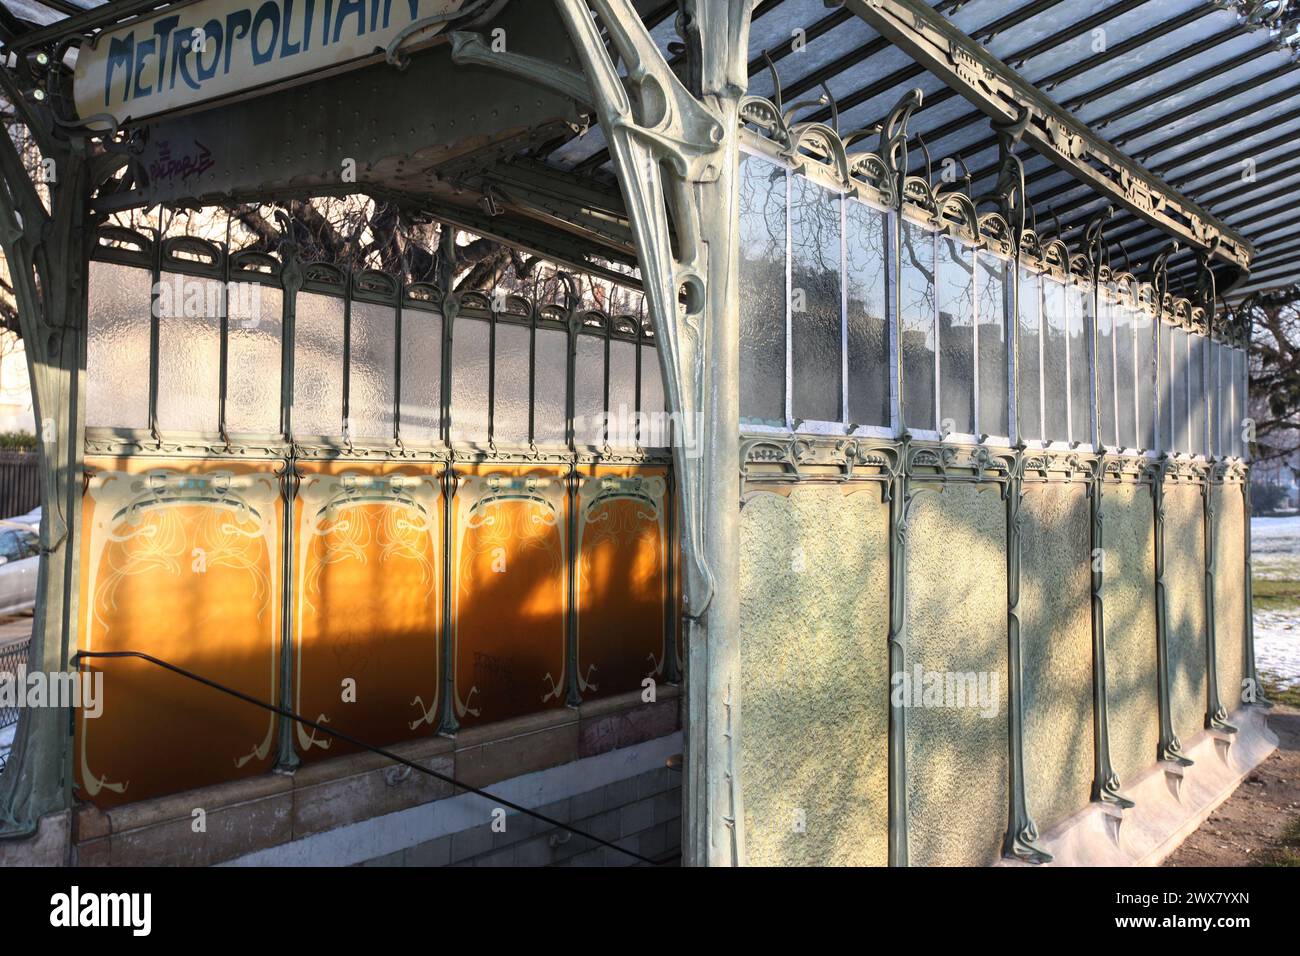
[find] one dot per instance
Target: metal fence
(20, 490)
(12, 656)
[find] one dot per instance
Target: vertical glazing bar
(897, 491)
(449, 723)
(789, 317)
(975, 344)
(347, 359)
(397, 366)
(1216, 717)
(154, 334)
(844, 311)
(936, 418)
(224, 325)
(291, 278)
(1020, 840)
(1105, 782)
(1169, 747)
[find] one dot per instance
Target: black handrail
(284, 712)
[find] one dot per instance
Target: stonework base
(1170, 801)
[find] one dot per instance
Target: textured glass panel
(656, 426)
(1106, 381)
(421, 411)
(1079, 300)
(1125, 376)
(371, 383)
(1197, 392)
(117, 347)
(956, 294)
(318, 365)
(1166, 346)
(991, 286)
(253, 356)
(916, 323)
(551, 370)
(1217, 400)
(189, 353)
(1029, 395)
(589, 392)
(815, 306)
(1181, 380)
(470, 361)
(762, 291)
(1144, 331)
(865, 271)
(510, 401)
(1056, 376)
(1227, 405)
(1241, 391)
(622, 393)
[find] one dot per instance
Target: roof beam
(86, 22)
(1004, 96)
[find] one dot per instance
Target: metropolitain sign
(187, 55)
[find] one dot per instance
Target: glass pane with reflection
(991, 287)
(916, 326)
(956, 295)
(1028, 394)
(868, 326)
(762, 195)
(816, 333)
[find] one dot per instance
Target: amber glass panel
(367, 586)
(160, 536)
(623, 589)
(509, 591)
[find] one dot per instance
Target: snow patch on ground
(1275, 555)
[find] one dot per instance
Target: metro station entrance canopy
(1136, 160)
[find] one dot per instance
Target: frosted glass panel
(1198, 391)
(421, 377)
(510, 402)
(1182, 437)
(1056, 379)
(1144, 334)
(549, 423)
(816, 358)
(656, 428)
(254, 334)
(916, 322)
(1106, 420)
(762, 291)
(117, 348)
(990, 284)
(372, 379)
(865, 273)
(1241, 389)
(470, 361)
(318, 365)
(1166, 335)
(589, 392)
(622, 394)
(1079, 301)
(189, 353)
(1125, 375)
(956, 337)
(1029, 397)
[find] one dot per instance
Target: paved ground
(1259, 825)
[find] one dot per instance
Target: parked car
(20, 551)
